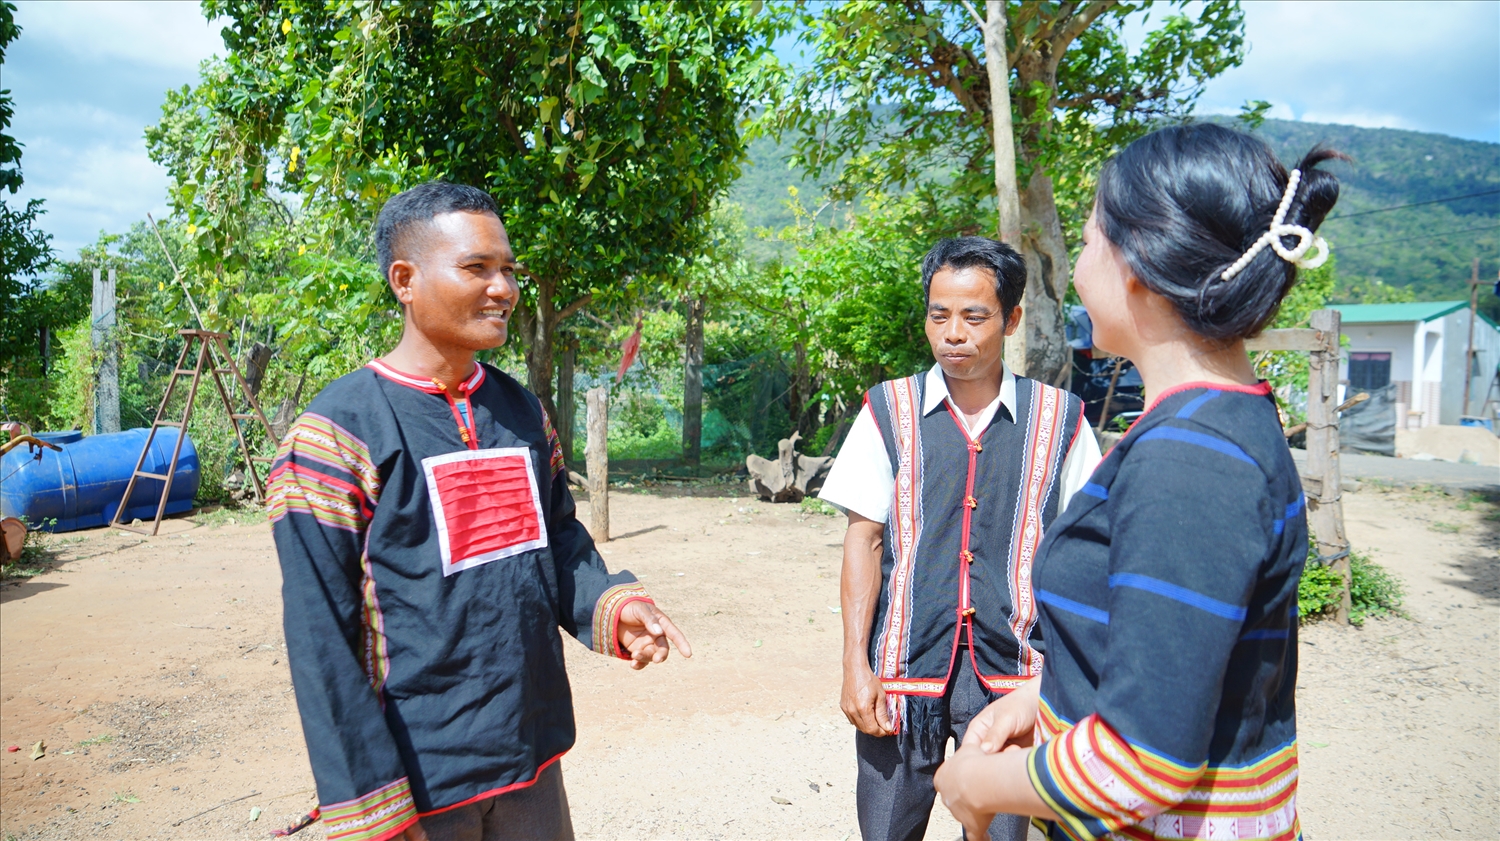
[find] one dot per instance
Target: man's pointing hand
(645, 633)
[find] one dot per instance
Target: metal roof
(1391, 313)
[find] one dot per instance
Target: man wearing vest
(949, 479)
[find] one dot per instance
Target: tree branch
(1085, 17)
(973, 13)
(577, 305)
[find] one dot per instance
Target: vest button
(971, 502)
(968, 611)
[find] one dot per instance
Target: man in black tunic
(949, 479)
(430, 552)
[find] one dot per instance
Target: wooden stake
(597, 456)
(1325, 508)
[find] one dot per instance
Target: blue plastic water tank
(80, 487)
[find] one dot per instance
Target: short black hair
(1184, 203)
(419, 206)
(979, 252)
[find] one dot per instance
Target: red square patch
(486, 504)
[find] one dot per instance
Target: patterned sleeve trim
(382, 814)
(607, 617)
(1098, 783)
(324, 471)
(554, 443)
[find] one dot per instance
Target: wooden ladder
(211, 349)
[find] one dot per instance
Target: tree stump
(791, 477)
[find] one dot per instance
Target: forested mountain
(1422, 253)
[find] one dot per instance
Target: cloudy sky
(88, 76)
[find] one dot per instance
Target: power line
(1413, 204)
(1429, 236)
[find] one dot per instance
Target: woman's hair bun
(1185, 203)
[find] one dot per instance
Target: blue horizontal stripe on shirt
(1293, 509)
(1187, 436)
(1181, 594)
(1265, 635)
(1095, 490)
(1064, 603)
(1197, 403)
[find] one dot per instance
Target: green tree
(897, 97)
(604, 130)
(30, 309)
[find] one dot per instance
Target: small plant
(97, 740)
(1373, 591)
(813, 505)
(1445, 528)
(125, 797)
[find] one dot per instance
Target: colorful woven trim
(1039, 463)
(377, 654)
(905, 527)
(323, 470)
(607, 610)
(1098, 783)
(383, 813)
(555, 444)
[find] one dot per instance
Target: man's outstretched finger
(673, 634)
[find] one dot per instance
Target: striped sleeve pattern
(324, 471)
(554, 444)
(382, 814)
(607, 610)
(1100, 784)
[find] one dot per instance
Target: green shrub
(1373, 591)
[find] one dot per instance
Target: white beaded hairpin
(1305, 238)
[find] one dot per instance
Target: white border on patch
(449, 566)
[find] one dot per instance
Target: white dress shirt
(861, 479)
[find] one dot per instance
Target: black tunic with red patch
(429, 553)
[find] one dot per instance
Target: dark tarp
(1370, 427)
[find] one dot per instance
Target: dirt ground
(155, 673)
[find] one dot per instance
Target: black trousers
(538, 812)
(894, 793)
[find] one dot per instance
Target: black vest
(965, 523)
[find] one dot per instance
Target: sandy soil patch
(155, 673)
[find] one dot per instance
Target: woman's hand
(1008, 722)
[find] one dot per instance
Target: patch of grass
(813, 505)
(1373, 591)
(125, 797)
(1445, 528)
(97, 740)
(224, 515)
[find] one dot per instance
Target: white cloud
(158, 34)
(101, 186)
(1429, 66)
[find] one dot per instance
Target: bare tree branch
(973, 13)
(1085, 17)
(577, 305)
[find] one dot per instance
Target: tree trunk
(1007, 193)
(540, 327)
(1048, 272)
(566, 407)
(597, 458)
(692, 382)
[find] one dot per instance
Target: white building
(1421, 348)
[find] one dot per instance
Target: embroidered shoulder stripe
(606, 638)
(1077, 608)
(903, 401)
(380, 814)
(1095, 490)
(1296, 507)
(1197, 403)
(1177, 593)
(1188, 436)
(1040, 463)
(554, 443)
(323, 470)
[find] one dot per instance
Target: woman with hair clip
(1168, 588)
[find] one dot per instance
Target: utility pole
(102, 338)
(1473, 316)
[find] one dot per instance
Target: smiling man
(430, 552)
(949, 479)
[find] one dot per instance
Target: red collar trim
(1260, 389)
(430, 386)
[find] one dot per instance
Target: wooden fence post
(1325, 510)
(597, 456)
